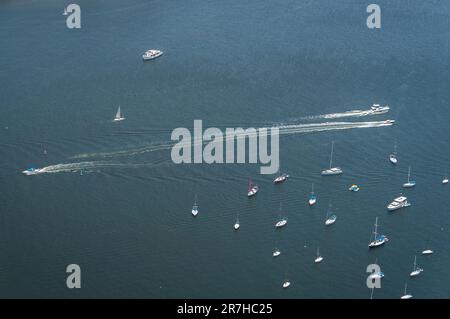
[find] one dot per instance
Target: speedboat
(281, 223)
(331, 220)
(32, 171)
(398, 203)
(332, 170)
(276, 253)
(378, 239)
(377, 109)
(377, 275)
(286, 284)
(427, 252)
(354, 188)
(151, 54)
(281, 178)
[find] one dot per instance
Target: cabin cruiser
(151, 54)
(377, 109)
(32, 171)
(281, 178)
(398, 203)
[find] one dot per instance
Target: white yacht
(378, 239)
(409, 183)
(252, 189)
(151, 54)
(378, 109)
(318, 258)
(286, 284)
(398, 203)
(332, 170)
(280, 178)
(416, 270)
(281, 223)
(427, 252)
(330, 219)
(445, 180)
(405, 294)
(119, 116)
(32, 171)
(312, 198)
(195, 207)
(276, 253)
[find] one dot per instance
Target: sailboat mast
(409, 173)
(331, 157)
(415, 263)
(376, 228)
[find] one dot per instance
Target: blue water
(126, 220)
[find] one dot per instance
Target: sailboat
(405, 294)
(378, 240)
(280, 178)
(318, 258)
(393, 156)
(236, 224)
(286, 283)
(195, 207)
(119, 116)
(276, 252)
(252, 189)
(331, 219)
(445, 180)
(65, 12)
(282, 221)
(416, 270)
(312, 197)
(409, 183)
(332, 170)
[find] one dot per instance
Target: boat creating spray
(208, 146)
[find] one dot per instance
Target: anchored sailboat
(282, 221)
(393, 156)
(318, 258)
(378, 239)
(409, 183)
(195, 207)
(405, 294)
(236, 224)
(119, 116)
(330, 219)
(252, 188)
(416, 270)
(332, 170)
(445, 180)
(312, 197)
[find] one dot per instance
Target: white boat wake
(353, 113)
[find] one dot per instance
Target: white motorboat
(312, 198)
(236, 224)
(286, 284)
(32, 171)
(445, 180)
(330, 219)
(378, 239)
(405, 294)
(398, 203)
(378, 109)
(332, 170)
(427, 252)
(151, 54)
(281, 223)
(393, 156)
(280, 178)
(119, 116)
(416, 270)
(276, 253)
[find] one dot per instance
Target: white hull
(427, 252)
(329, 222)
(276, 253)
(151, 56)
(332, 171)
(312, 202)
(409, 185)
(406, 297)
(286, 284)
(236, 226)
(253, 191)
(32, 172)
(194, 212)
(318, 260)
(415, 273)
(119, 119)
(281, 223)
(376, 243)
(393, 160)
(445, 181)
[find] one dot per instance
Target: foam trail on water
(353, 113)
(86, 166)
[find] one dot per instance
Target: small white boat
(151, 54)
(281, 223)
(65, 12)
(330, 219)
(119, 116)
(405, 294)
(409, 183)
(32, 171)
(195, 207)
(318, 258)
(416, 270)
(377, 109)
(286, 284)
(281, 178)
(378, 239)
(354, 188)
(445, 180)
(236, 224)
(332, 170)
(312, 198)
(393, 156)
(252, 189)
(398, 203)
(377, 275)
(276, 253)
(427, 252)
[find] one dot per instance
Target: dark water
(126, 221)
